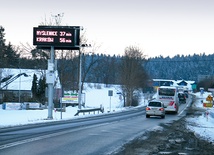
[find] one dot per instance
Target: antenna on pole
(58, 18)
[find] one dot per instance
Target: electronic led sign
(61, 37)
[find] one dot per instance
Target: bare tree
(132, 74)
(89, 59)
(56, 20)
(87, 66)
(68, 69)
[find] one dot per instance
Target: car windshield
(155, 104)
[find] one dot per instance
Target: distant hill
(179, 67)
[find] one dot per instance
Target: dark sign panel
(61, 37)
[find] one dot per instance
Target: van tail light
(175, 106)
(147, 108)
(171, 103)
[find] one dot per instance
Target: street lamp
(19, 75)
(80, 75)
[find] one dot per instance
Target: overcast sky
(158, 27)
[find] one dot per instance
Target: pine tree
(41, 89)
(2, 47)
(11, 56)
(8, 56)
(34, 86)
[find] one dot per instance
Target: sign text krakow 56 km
(61, 37)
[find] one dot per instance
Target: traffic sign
(209, 98)
(208, 104)
(61, 37)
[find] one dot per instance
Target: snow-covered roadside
(94, 98)
(22, 117)
(203, 125)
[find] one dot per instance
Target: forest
(180, 67)
(101, 68)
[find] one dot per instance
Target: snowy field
(202, 125)
(96, 96)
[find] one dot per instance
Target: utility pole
(50, 81)
(80, 80)
(80, 74)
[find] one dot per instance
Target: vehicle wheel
(147, 116)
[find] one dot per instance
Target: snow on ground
(202, 125)
(95, 96)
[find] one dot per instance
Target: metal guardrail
(101, 109)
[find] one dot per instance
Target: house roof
(21, 79)
(182, 83)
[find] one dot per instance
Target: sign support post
(50, 88)
(61, 106)
(110, 93)
(80, 80)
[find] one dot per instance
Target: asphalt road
(100, 135)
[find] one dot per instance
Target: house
(17, 83)
(161, 82)
(177, 83)
(182, 83)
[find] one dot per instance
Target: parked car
(155, 108)
(182, 98)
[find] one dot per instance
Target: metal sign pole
(61, 106)
(110, 93)
(50, 88)
(110, 104)
(80, 80)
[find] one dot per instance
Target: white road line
(44, 137)
(30, 140)
(183, 109)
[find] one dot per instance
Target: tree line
(127, 71)
(132, 70)
(180, 67)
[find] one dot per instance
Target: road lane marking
(183, 109)
(30, 140)
(4, 146)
